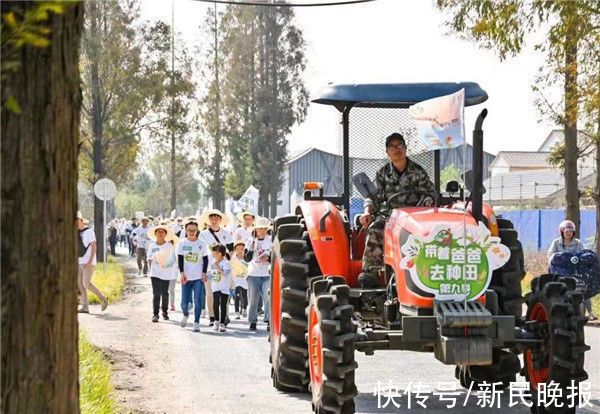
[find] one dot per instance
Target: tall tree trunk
(39, 203)
(571, 115)
(97, 122)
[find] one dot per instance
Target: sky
(395, 41)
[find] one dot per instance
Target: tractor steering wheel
(426, 199)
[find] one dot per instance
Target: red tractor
(320, 316)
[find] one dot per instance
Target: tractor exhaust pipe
(477, 188)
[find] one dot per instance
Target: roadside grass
(96, 393)
(111, 284)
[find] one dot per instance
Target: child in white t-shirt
(239, 272)
(161, 256)
(220, 282)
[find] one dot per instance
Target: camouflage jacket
(413, 182)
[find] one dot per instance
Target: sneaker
(139, 272)
(172, 308)
(184, 321)
(104, 305)
(155, 318)
(145, 274)
(196, 327)
(227, 320)
(165, 316)
(82, 310)
(216, 326)
(592, 317)
(237, 315)
(253, 327)
(222, 329)
(244, 313)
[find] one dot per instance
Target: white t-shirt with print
(164, 273)
(224, 238)
(192, 253)
(141, 235)
(220, 282)
(261, 248)
(242, 234)
(88, 237)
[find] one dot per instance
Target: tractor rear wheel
(293, 262)
(330, 340)
(554, 313)
(506, 281)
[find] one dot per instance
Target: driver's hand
(365, 219)
(428, 202)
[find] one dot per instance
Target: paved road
(165, 368)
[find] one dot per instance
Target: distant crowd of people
(213, 264)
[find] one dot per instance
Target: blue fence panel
(537, 228)
(356, 207)
(526, 223)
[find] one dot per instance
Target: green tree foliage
(120, 84)
(450, 173)
(261, 96)
(149, 191)
(172, 126)
(570, 34)
(212, 107)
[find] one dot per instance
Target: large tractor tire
(556, 307)
(506, 281)
(293, 262)
(330, 340)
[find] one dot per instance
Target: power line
(258, 3)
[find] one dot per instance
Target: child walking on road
(192, 254)
(161, 256)
(220, 281)
(239, 272)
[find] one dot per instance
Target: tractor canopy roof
(396, 95)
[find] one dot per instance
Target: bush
(95, 389)
(110, 284)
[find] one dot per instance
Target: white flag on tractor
(249, 200)
(439, 121)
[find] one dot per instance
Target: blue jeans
(196, 286)
(258, 286)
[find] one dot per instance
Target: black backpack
(82, 247)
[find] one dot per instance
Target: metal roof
(397, 95)
(523, 159)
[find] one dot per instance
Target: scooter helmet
(566, 225)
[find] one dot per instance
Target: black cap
(394, 137)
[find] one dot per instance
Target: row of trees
(223, 124)
(570, 33)
(254, 62)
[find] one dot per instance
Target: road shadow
(108, 317)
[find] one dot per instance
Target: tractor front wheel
(330, 340)
(554, 314)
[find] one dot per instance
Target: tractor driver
(400, 175)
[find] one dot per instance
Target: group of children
(212, 265)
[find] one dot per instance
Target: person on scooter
(400, 176)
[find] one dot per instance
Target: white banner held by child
(439, 121)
